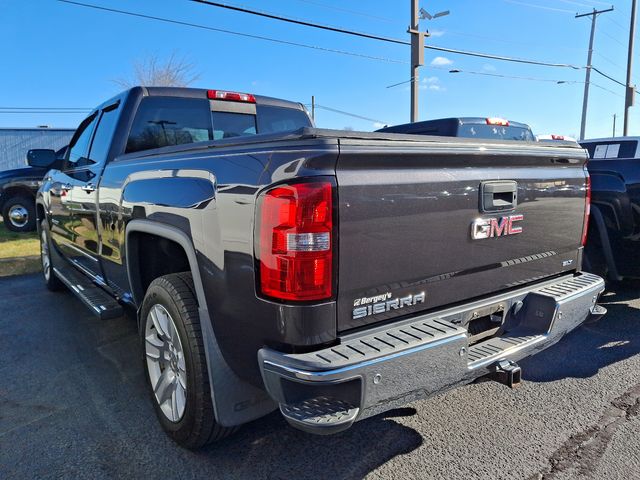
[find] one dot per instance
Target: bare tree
(175, 71)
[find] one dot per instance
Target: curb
(19, 265)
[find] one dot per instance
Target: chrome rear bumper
(325, 391)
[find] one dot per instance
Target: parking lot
(73, 404)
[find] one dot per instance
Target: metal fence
(15, 142)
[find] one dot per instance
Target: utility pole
(313, 108)
(614, 125)
(587, 80)
(417, 56)
(629, 97)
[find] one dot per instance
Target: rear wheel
(19, 214)
(175, 362)
(53, 283)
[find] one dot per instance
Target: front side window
(79, 146)
(166, 121)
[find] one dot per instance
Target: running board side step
(99, 302)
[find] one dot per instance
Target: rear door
(423, 225)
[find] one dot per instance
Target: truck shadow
(586, 350)
(270, 448)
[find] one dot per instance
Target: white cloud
(432, 83)
(436, 33)
(441, 62)
(378, 125)
(487, 67)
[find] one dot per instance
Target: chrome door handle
(89, 187)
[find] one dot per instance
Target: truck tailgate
(407, 212)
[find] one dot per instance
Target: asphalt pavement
(73, 404)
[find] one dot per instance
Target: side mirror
(42, 158)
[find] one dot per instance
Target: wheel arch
(599, 228)
(241, 402)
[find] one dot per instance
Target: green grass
(14, 245)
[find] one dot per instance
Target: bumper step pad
(320, 415)
(99, 302)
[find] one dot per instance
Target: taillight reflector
(230, 96)
(587, 210)
(497, 121)
(295, 241)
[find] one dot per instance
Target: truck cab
(467, 127)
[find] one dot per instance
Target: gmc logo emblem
(496, 227)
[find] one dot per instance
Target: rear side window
(280, 119)
(165, 121)
(104, 133)
(612, 149)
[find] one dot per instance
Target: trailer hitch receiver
(507, 372)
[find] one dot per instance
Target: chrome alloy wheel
(18, 216)
(44, 255)
(165, 363)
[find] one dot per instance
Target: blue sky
(61, 55)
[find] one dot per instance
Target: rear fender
(235, 402)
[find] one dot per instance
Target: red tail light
(497, 121)
(230, 96)
(587, 210)
(295, 241)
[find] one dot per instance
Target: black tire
(197, 426)
(52, 282)
(19, 214)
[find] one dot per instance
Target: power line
(624, 29)
(331, 50)
(607, 76)
(346, 10)
(376, 37)
(612, 38)
(304, 23)
(517, 77)
(541, 7)
(502, 58)
(231, 32)
(314, 47)
(349, 114)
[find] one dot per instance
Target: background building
(15, 142)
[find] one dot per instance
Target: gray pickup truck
(333, 275)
